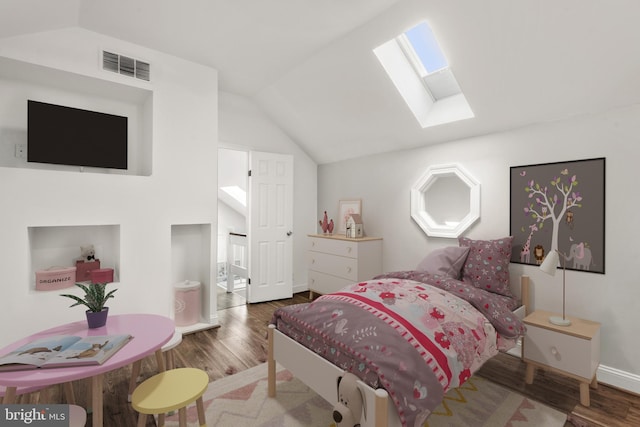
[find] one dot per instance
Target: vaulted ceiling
(310, 66)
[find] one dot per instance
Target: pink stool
(68, 392)
(19, 390)
(77, 416)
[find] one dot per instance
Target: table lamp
(549, 266)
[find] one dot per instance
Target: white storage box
(186, 303)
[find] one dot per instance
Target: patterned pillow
(445, 261)
(487, 265)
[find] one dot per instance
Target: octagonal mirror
(445, 201)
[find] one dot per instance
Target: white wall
(383, 182)
(244, 126)
(180, 190)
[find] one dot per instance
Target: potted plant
(94, 298)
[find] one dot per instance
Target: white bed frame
(322, 376)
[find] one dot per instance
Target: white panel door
(270, 224)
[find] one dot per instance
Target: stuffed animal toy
(349, 409)
(87, 253)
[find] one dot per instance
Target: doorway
(232, 222)
(255, 222)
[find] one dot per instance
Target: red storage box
(102, 275)
(84, 268)
(55, 278)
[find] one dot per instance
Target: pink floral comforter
(413, 339)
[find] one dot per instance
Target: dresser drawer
(574, 355)
(346, 268)
(334, 246)
(323, 283)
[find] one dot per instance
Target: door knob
(289, 233)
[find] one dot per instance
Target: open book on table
(63, 350)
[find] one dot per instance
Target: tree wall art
(559, 206)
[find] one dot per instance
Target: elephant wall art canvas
(559, 206)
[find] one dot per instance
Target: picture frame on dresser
(345, 209)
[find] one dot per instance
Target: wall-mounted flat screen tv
(72, 136)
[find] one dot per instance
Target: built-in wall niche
(192, 260)
(59, 246)
(21, 81)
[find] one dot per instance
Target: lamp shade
(550, 263)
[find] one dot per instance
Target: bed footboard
(322, 376)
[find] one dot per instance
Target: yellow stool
(169, 361)
(168, 391)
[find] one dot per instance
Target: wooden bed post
(382, 408)
(271, 364)
(525, 295)
(526, 301)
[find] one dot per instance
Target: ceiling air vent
(125, 65)
(143, 70)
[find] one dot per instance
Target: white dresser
(337, 261)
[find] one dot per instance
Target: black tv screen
(71, 136)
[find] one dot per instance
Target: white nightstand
(572, 350)
(336, 261)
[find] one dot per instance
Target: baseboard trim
(300, 288)
(622, 380)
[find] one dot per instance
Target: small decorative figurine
(87, 253)
(354, 226)
(327, 226)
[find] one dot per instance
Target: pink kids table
(150, 332)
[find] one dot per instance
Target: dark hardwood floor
(240, 343)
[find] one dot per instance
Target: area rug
(241, 400)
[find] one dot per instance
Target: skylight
(237, 193)
(420, 71)
(426, 49)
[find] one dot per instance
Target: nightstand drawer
(334, 246)
(574, 355)
(339, 266)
